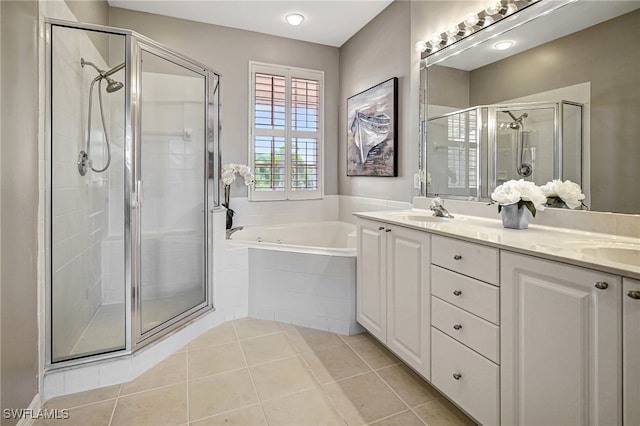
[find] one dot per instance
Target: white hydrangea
(514, 191)
(567, 191)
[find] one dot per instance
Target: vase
(229, 220)
(514, 217)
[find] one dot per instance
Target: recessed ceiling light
(502, 45)
(294, 18)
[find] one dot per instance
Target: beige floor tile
(374, 353)
(248, 416)
(267, 348)
(335, 363)
(308, 339)
(305, 408)
(223, 392)
(441, 412)
(170, 371)
(97, 414)
(224, 333)
(363, 399)
(403, 419)
(355, 337)
(157, 407)
(412, 388)
(282, 377)
(215, 359)
(251, 327)
(82, 398)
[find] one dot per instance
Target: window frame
(288, 72)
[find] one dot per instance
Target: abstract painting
(372, 119)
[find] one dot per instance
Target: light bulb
(511, 8)
(453, 31)
(493, 8)
(487, 20)
(421, 46)
(471, 19)
(436, 39)
(294, 18)
(450, 40)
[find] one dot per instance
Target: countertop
(603, 252)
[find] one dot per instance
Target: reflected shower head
(112, 85)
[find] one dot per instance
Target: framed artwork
(372, 139)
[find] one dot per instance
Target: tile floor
(255, 372)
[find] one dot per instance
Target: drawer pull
(380, 228)
(634, 294)
(457, 292)
(387, 230)
(457, 257)
(457, 376)
(601, 285)
(457, 326)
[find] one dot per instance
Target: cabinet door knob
(457, 256)
(387, 230)
(457, 376)
(457, 292)
(457, 326)
(380, 228)
(601, 285)
(634, 294)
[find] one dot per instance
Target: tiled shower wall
(80, 203)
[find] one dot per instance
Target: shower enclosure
(470, 152)
(132, 178)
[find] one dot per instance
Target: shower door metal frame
(133, 43)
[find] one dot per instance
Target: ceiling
(329, 22)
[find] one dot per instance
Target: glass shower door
(172, 191)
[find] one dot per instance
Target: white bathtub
(302, 274)
(334, 238)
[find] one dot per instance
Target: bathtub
(302, 274)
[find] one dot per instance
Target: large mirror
(562, 102)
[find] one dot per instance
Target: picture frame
(372, 137)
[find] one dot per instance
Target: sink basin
(416, 217)
(618, 252)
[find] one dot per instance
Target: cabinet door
(408, 312)
(631, 355)
(371, 287)
(560, 344)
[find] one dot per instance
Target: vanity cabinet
(631, 351)
(465, 331)
(393, 289)
(560, 343)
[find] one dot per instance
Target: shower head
(515, 124)
(112, 85)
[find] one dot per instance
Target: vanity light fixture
(502, 45)
(294, 19)
(472, 23)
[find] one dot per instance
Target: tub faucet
(232, 230)
(437, 206)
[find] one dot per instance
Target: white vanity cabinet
(393, 289)
(560, 343)
(465, 331)
(631, 351)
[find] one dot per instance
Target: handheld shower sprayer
(84, 159)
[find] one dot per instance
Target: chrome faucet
(437, 206)
(232, 230)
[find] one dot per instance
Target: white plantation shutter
(286, 132)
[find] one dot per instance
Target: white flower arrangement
(522, 192)
(229, 173)
(566, 192)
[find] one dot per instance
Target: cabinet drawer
(470, 259)
(478, 334)
(476, 389)
(475, 296)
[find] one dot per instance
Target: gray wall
(608, 56)
(95, 12)
(379, 51)
(19, 200)
(229, 51)
(452, 88)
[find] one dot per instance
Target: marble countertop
(603, 252)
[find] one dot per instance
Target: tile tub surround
(311, 290)
(255, 372)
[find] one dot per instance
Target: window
(285, 135)
(462, 150)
